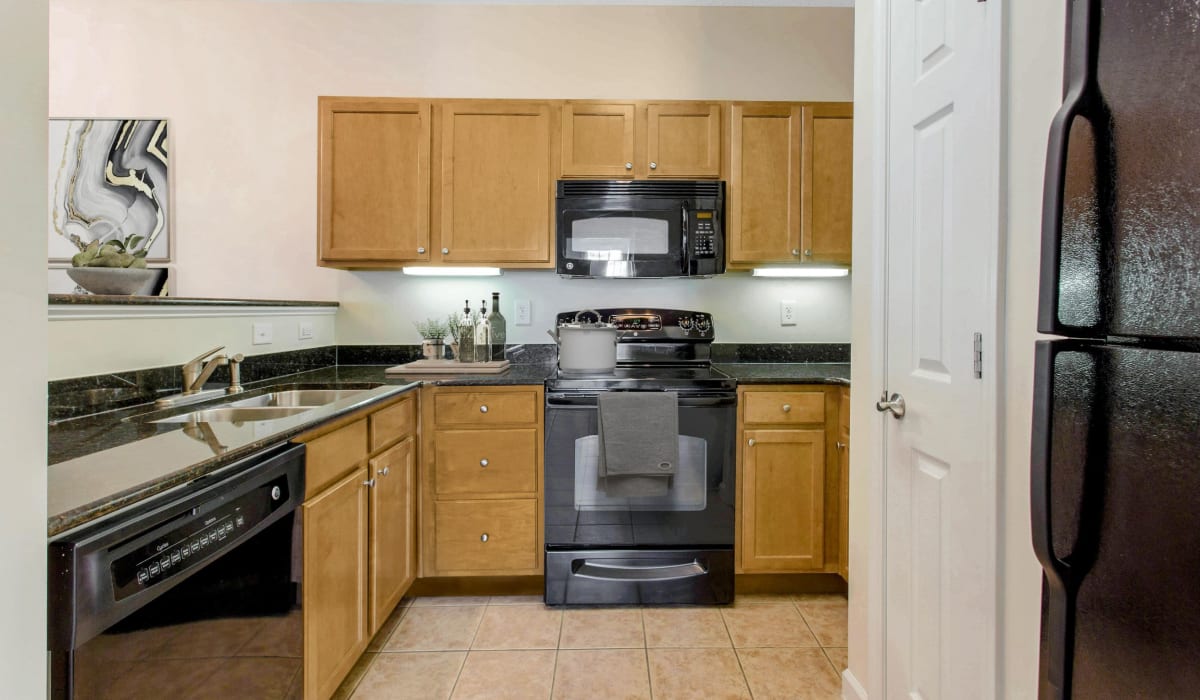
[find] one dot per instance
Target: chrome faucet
(197, 371)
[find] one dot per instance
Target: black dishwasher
(190, 595)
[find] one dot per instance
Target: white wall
(85, 346)
(239, 82)
(22, 305)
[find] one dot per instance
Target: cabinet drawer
(486, 535)
(784, 407)
(485, 461)
(394, 422)
(485, 408)
(332, 455)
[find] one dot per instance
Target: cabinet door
(597, 140)
(683, 139)
(497, 190)
(764, 183)
(393, 528)
(373, 166)
(783, 497)
(828, 233)
(335, 583)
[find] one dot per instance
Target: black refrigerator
(1115, 469)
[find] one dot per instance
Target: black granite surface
(780, 352)
(788, 373)
(127, 300)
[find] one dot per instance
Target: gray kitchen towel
(638, 442)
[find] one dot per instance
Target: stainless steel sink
(237, 414)
(298, 397)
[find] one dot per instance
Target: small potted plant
(453, 332)
(114, 266)
(433, 333)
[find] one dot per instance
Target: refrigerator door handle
(1080, 91)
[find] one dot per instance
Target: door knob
(483, 409)
(445, 251)
(384, 471)
(421, 251)
(484, 537)
(369, 483)
(787, 408)
(752, 442)
(483, 462)
(653, 165)
(629, 166)
(895, 404)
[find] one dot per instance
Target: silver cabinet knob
(369, 483)
(483, 409)
(795, 251)
(787, 408)
(753, 442)
(385, 471)
(653, 165)
(840, 445)
(421, 250)
(445, 251)
(893, 403)
(808, 252)
(483, 462)
(629, 166)
(483, 537)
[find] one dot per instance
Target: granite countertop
(788, 373)
(105, 462)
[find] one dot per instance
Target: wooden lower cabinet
(843, 447)
(486, 536)
(334, 594)
(393, 531)
(783, 500)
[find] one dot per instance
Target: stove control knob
(685, 322)
(703, 324)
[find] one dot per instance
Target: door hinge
(978, 354)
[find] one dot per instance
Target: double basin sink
(269, 406)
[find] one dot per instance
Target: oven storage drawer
(481, 537)
(633, 577)
(486, 408)
(486, 461)
(783, 407)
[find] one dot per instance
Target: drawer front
(485, 408)
(394, 422)
(485, 461)
(784, 407)
(332, 455)
(486, 535)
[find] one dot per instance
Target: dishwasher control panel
(193, 537)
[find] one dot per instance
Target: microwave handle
(686, 252)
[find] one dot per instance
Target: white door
(942, 243)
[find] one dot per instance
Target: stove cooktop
(652, 378)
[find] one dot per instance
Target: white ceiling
(706, 3)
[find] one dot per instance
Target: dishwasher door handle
(613, 572)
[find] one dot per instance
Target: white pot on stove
(586, 347)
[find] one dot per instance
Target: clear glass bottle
(499, 332)
(483, 335)
(466, 334)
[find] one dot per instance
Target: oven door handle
(584, 568)
(591, 401)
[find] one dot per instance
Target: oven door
(622, 237)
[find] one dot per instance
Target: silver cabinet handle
(483, 408)
(369, 483)
(840, 445)
(421, 250)
(653, 165)
(787, 408)
(753, 442)
(808, 252)
(483, 537)
(483, 462)
(795, 251)
(445, 251)
(893, 403)
(629, 166)
(384, 471)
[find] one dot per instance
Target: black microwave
(640, 228)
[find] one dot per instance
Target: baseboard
(474, 586)
(851, 688)
(789, 583)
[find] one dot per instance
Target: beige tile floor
(763, 646)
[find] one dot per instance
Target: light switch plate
(305, 330)
(524, 312)
(264, 334)
(787, 312)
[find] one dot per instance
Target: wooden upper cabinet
(783, 500)
(763, 207)
(373, 162)
(827, 237)
(597, 140)
(683, 139)
(497, 184)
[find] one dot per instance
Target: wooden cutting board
(449, 367)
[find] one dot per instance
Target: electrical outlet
(305, 330)
(264, 334)
(787, 312)
(524, 312)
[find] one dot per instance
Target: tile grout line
(736, 657)
(646, 652)
(467, 653)
(562, 618)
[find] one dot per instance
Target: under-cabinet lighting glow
(422, 271)
(800, 271)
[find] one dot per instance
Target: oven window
(610, 238)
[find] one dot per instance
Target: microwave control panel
(704, 233)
